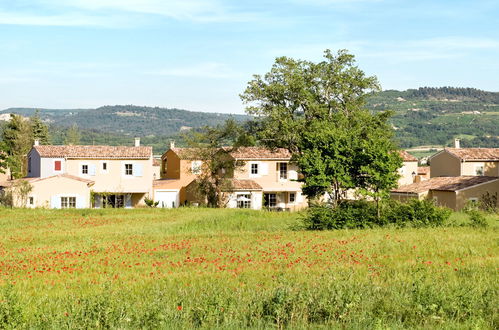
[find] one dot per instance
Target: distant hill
(424, 116)
(129, 120)
(435, 116)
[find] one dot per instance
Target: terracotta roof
(37, 179)
(156, 162)
(407, 157)
(245, 185)
(479, 154)
(185, 153)
(453, 183)
(260, 153)
(96, 152)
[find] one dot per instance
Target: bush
(362, 214)
(348, 214)
(477, 219)
(150, 202)
(415, 213)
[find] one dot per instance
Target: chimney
(137, 142)
(457, 143)
(172, 144)
(37, 142)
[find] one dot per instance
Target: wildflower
(179, 307)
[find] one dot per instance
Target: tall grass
(155, 268)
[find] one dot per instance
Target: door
(166, 199)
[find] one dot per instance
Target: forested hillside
(424, 116)
(435, 116)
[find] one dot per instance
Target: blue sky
(199, 54)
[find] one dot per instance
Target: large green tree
(39, 129)
(317, 111)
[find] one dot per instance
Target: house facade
(266, 179)
(121, 176)
(409, 169)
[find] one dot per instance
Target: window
(31, 200)
(479, 170)
(68, 202)
(104, 166)
(244, 201)
(84, 169)
(283, 171)
(292, 197)
(196, 167)
(270, 200)
(29, 165)
(128, 169)
(57, 165)
(254, 168)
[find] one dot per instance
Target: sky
(200, 54)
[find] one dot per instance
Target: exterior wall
(171, 165)
(114, 179)
(463, 196)
(35, 164)
(489, 168)
(444, 164)
(268, 179)
(45, 195)
(406, 171)
(47, 167)
(443, 198)
(256, 199)
(5, 176)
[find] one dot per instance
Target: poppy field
(155, 268)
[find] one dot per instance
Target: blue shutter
(55, 202)
(91, 169)
(80, 202)
(137, 169)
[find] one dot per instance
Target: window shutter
(80, 202)
(293, 175)
(299, 197)
(91, 169)
(264, 168)
(55, 202)
(57, 165)
(137, 169)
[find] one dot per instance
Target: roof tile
(451, 183)
(95, 152)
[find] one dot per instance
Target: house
(89, 176)
(451, 192)
(465, 161)
(179, 167)
(267, 178)
(457, 176)
(409, 168)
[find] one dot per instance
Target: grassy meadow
(155, 268)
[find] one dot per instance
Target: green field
(153, 268)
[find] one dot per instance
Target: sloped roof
(37, 179)
(260, 153)
(424, 170)
(245, 185)
(95, 152)
(477, 154)
(451, 183)
(407, 157)
(186, 153)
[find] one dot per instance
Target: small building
(465, 161)
(451, 192)
(409, 168)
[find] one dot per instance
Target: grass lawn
(154, 268)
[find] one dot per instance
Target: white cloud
(14, 18)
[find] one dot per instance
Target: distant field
(150, 268)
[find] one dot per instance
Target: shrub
(150, 202)
(488, 202)
(477, 219)
(416, 213)
(362, 214)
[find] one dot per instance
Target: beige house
(266, 179)
(451, 192)
(465, 161)
(120, 176)
(409, 169)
